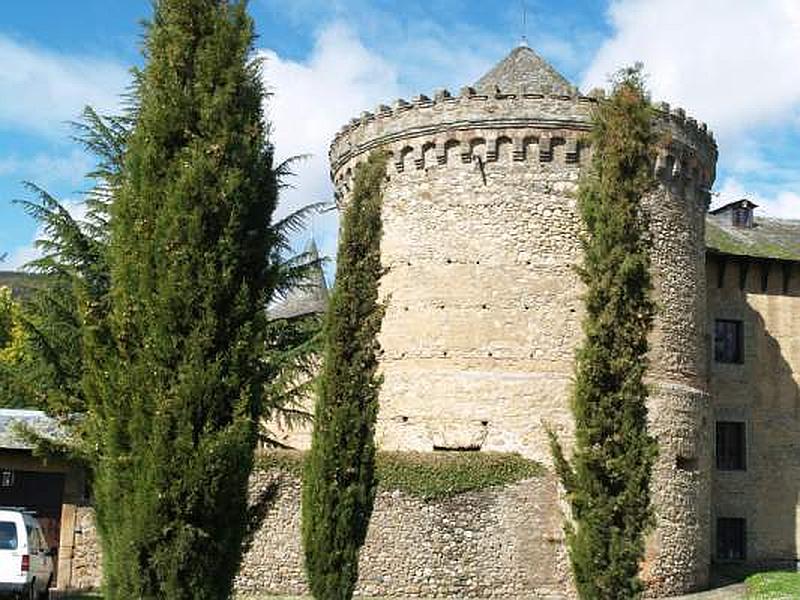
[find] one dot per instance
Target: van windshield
(8, 535)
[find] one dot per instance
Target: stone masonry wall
(86, 559)
(503, 542)
(481, 234)
(763, 392)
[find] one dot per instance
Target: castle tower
(481, 234)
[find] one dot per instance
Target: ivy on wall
(426, 475)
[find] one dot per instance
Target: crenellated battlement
(428, 132)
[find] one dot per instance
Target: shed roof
(743, 203)
(11, 419)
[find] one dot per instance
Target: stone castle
(484, 308)
(483, 317)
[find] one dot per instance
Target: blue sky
(730, 63)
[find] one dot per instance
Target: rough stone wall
(499, 543)
(504, 542)
(480, 238)
(86, 559)
(679, 409)
(764, 393)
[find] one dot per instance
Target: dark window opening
(469, 448)
(728, 341)
(731, 539)
(686, 463)
(742, 217)
(731, 446)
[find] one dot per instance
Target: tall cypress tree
(607, 480)
(174, 373)
(339, 485)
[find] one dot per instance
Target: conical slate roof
(308, 299)
(524, 70)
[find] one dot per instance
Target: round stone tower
(481, 234)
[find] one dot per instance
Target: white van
(26, 563)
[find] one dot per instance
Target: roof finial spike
(524, 41)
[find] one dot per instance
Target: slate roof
(768, 238)
(308, 299)
(35, 419)
(524, 70)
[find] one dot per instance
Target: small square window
(728, 341)
(6, 478)
(742, 217)
(731, 446)
(731, 539)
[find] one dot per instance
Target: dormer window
(743, 215)
(740, 213)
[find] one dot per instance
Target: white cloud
(46, 169)
(310, 101)
(40, 90)
(22, 255)
(730, 63)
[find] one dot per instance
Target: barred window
(728, 341)
(731, 539)
(731, 446)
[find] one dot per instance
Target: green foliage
(773, 586)
(172, 364)
(427, 475)
(12, 351)
(608, 478)
(339, 484)
(7, 310)
(444, 475)
(74, 269)
(72, 266)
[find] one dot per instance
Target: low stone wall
(503, 542)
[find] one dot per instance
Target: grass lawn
(773, 586)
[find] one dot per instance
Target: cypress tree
(173, 375)
(339, 483)
(608, 478)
